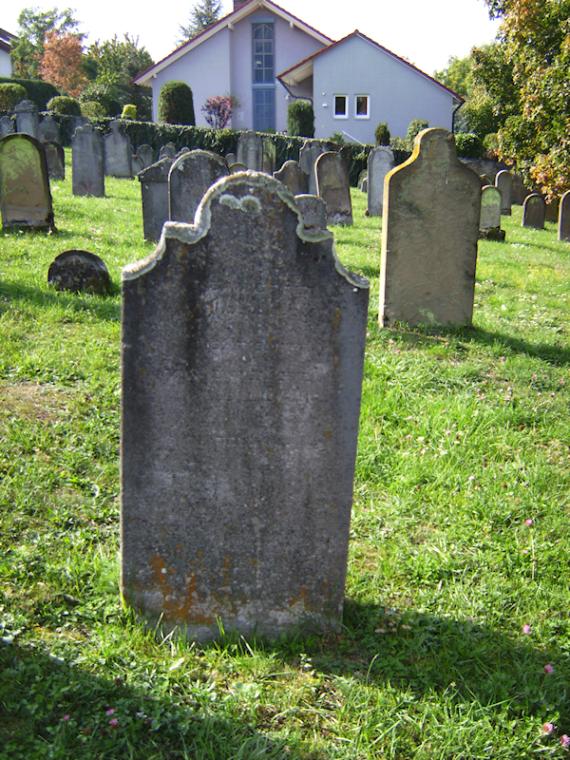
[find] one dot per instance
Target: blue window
(263, 108)
(263, 76)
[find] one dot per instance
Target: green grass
(464, 436)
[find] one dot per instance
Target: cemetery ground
(456, 637)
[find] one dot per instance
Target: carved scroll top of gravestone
(229, 192)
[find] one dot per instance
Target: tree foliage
(176, 104)
(61, 63)
(203, 14)
(218, 110)
(33, 26)
(457, 75)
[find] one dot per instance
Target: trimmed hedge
(382, 134)
(10, 95)
(469, 145)
(64, 105)
(37, 91)
(129, 112)
(300, 119)
(176, 104)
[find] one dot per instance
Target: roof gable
(249, 7)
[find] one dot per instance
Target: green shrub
(491, 145)
(65, 106)
(37, 91)
(414, 128)
(469, 145)
(93, 110)
(105, 94)
(301, 119)
(337, 138)
(10, 95)
(382, 134)
(176, 104)
(129, 112)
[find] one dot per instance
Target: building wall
(397, 93)
(5, 64)
(206, 70)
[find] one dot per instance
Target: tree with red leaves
(62, 63)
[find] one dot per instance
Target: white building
(6, 40)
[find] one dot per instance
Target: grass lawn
(459, 534)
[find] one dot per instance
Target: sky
(425, 33)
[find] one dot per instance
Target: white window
(341, 107)
(362, 107)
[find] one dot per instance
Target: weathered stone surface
(237, 167)
(308, 155)
(551, 210)
(268, 156)
(48, 130)
(293, 177)
(432, 204)
(534, 211)
(490, 208)
(182, 151)
(361, 177)
(519, 191)
(154, 191)
(79, 272)
(380, 162)
(7, 126)
(242, 354)
(167, 151)
(143, 158)
(313, 212)
(250, 151)
(55, 158)
(118, 152)
(231, 158)
(27, 118)
(25, 197)
(364, 186)
(88, 162)
(564, 217)
(504, 182)
(333, 187)
(190, 176)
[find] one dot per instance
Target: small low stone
(493, 233)
(79, 272)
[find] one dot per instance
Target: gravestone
(25, 197)
(490, 219)
(308, 155)
(231, 158)
(361, 177)
(27, 119)
(269, 156)
(55, 158)
(380, 162)
(534, 211)
(364, 187)
(250, 150)
(182, 151)
(293, 177)
(118, 152)
(87, 156)
(190, 176)
(432, 205)
(237, 167)
(79, 272)
(551, 210)
(167, 151)
(333, 187)
(142, 158)
(242, 354)
(154, 191)
(519, 191)
(6, 126)
(564, 217)
(49, 131)
(504, 182)
(313, 212)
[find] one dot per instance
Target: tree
(457, 75)
(218, 110)
(61, 63)
(33, 26)
(203, 14)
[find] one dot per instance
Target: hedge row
(37, 91)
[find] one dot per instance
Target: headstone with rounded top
(310, 151)
(142, 158)
(231, 158)
(380, 162)
(27, 119)
(504, 182)
(334, 188)
(118, 152)
(189, 178)
(313, 212)
(292, 176)
(49, 130)
(154, 191)
(88, 162)
(242, 354)
(55, 157)
(564, 217)
(167, 151)
(432, 205)
(80, 272)
(534, 211)
(490, 219)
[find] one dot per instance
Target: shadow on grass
(101, 306)
(36, 692)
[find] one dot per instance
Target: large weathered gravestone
(564, 217)
(333, 187)
(154, 190)
(504, 183)
(190, 176)
(313, 212)
(242, 352)
(6, 126)
(432, 205)
(118, 152)
(143, 158)
(293, 177)
(167, 151)
(27, 119)
(88, 162)
(55, 158)
(25, 197)
(250, 150)
(48, 130)
(308, 155)
(490, 219)
(534, 211)
(79, 272)
(380, 162)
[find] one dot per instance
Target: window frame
(345, 115)
(356, 114)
